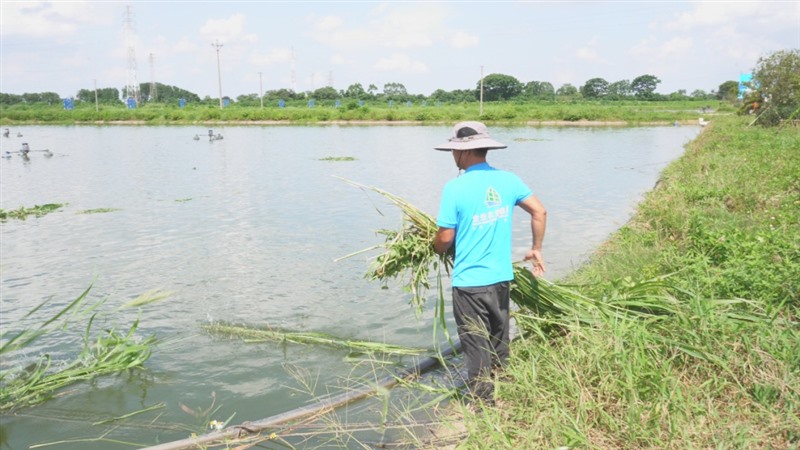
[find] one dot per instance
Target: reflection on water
(246, 229)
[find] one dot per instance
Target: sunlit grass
(681, 332)
(718, 368)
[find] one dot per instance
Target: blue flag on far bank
(744, 80)
(69, 104)
(281, 103)
(131, 102)
(226, 102)
(182, 102)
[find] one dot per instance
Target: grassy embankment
(722, 368)
(632, 112)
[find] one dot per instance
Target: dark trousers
(482, 317)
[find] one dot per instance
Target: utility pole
(481, 111)
(152, 79)
(218, 46)
(260, 90)
(96, 107)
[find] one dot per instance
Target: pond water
(246, 229)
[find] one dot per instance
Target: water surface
(246, 229)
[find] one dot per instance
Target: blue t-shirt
(479, 206)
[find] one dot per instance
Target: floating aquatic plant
(338, 158)
(110, 351)
(22, 213)
(253, 334)
(99, 210)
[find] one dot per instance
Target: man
(476, 215)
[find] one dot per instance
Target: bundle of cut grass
(407, 252)
(548, 304)
(253, 334)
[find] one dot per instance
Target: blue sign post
(744, 80)
(281, 103)
(131, 102)
(182, 102)
(69, 104)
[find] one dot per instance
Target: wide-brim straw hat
(468, 136)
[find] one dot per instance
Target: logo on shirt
(492, 201)
(492, 198)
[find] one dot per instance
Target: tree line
(773, 93)
(495, 87)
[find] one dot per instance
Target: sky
(65, 46)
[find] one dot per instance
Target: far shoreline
(529, 123)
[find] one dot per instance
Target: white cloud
(401, 63)
(654, 50)
(391, 26)
(746, 14)
(463, 40)
(274, 56)
(49, 19)
(231, 29)
(184, 45)
(329, 23)
(337, 59)
(589, 55)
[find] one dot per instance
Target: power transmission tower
(132, 86)
(293, 76)
(152, 79)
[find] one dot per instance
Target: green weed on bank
(721, 368)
